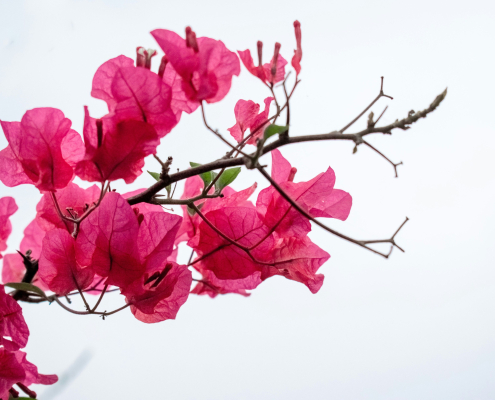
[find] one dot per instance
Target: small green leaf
(227, 178)
(26, 287)
(273, 130)
(206, 176)
(155, 175)
(168, 189)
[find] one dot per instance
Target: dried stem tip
(191, 39)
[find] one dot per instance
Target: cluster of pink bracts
(87, 240)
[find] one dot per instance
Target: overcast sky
(420, 325)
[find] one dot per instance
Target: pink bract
(107, 241)
(142, 96)
(206, 70)
(133, 93)
(180, 102)
(247, 116)
(156, 238)
(12, 323)
(211, 286)
(7, 208)
(317, 196)
(134, 140)
(42, 150)
(14, 368)
(161, 295)
(58, 267)
(263, 72)
(72, 198)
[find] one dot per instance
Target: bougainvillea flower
(161, 295)
(211, 286)
(205, 65)
(264, 71)
(7, 208)
(220, 256)
(107, 241)
(247, 116)
(42, 150)
(317, 196)
(133, 93)
(12, 323)
(134, 140)
(156, 238)
(298, 259)
(296, 58)
(15, 369)
(73, 202)
(193, 187)
(58, 267)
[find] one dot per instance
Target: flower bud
(191, 39)
(275, 59)
(260, 52)
(292, 174)
(163, 65)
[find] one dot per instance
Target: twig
(395, 165)
(380, 95)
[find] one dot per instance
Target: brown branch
(357, 138)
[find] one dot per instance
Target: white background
(420, 325)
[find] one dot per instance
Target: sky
(418, 325)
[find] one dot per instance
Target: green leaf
(227, 178)
(168, 189)
(206, 176)
(155, 175)
(273, 130)
(27, 287)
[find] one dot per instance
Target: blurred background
(420, 325)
